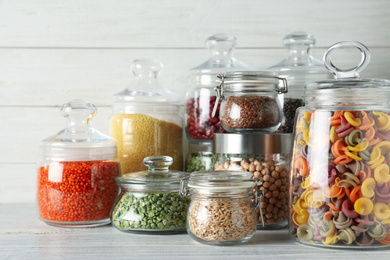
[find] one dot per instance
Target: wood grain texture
(177, 24)
(23, 237)
(53, 77)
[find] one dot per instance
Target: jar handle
(182, 190)
(347, 73)
(219, 90)
(258, 199)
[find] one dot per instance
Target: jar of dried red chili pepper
(76, 172)
(200, 95)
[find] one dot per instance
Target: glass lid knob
(79, 114)
(347, 73)
(143, 68)
(158, 163)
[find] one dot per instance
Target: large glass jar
(221, 211)
(340, 182)
(250, 101)
(200, 157)
(76, 172)
(146, 120)
(265, 157)
(200, 95)
(299, 68)
(149, 201)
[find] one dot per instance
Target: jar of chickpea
(266, 157)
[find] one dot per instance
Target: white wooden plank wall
(52, 51)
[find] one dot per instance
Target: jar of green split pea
(149, 201)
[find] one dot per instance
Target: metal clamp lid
(250, 78)
(347, 73)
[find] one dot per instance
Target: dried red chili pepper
(77, 191)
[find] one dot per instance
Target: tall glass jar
(265, 157)
(149, 201)
(200, 157)
(298, 68)
(250, 101)
(340, 182)
(221, 211)
(76, 172)
(146, 120)
(200, 95)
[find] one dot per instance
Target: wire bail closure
(220, 96)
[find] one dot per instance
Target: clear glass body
(150, 212)
(340, 182)
(149, 201)
(221, 221)
(200, 95)
(273, 169)
(76, 172)
(199, 157)
(299, 68)
(78, 194)
(146, 120)
(256, 111)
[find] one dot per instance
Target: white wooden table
(24, 236)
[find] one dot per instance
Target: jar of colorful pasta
(340, 182)
(146, 119)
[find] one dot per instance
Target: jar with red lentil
(250, 101)
(76, 172)
(200, 95)
(146, 120)
(266, 157)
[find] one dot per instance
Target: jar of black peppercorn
(250, 101)
(298, 68)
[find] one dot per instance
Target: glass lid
(300, 67)
(145, 87)
(157, 175)
(221, 59)
(347, 78)
(79, 140)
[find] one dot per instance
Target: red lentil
(77, 191)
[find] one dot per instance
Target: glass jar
(149, 201)
(200, 157)
(146, 120)
(221, 211)
(265, 157)
(249, 101)
(200, 95)
(298, 68)
(76, 172)
(340, 189)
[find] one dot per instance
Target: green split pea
(150, 211)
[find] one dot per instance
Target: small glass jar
(298, 68)
(249, 101)
(340, 181)
(76, 172)
(146, 120)
(265, 156)
(200, 95)
(200, 157)
(221, 211)
(149, 201)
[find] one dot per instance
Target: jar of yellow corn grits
(340, 178)
(145, 120)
